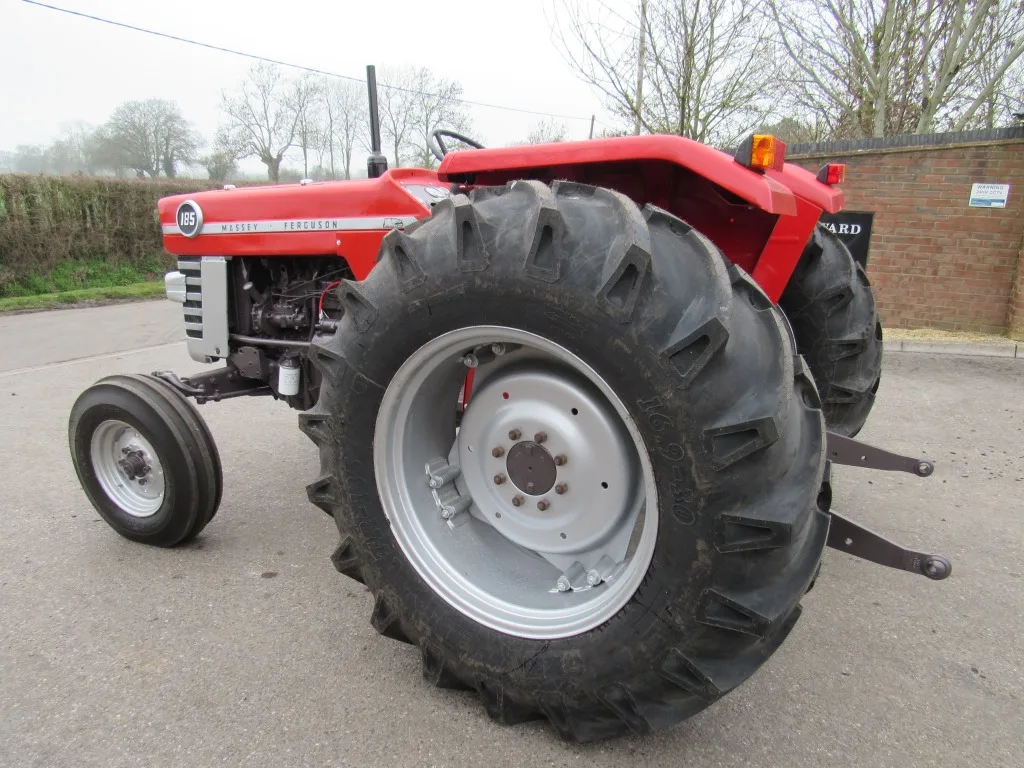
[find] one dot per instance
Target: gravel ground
(246, 648)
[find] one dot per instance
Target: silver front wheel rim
(127, 468)
(537, 517)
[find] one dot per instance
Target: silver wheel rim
(516, 565)
(127, 468)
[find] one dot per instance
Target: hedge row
(50, 221)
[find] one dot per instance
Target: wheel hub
(531, 468)
(134, 464)
(127, 468)
(570, 422)
(537, 514)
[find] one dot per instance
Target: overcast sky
(61, 68)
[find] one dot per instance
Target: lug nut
(499, 479)
(560, 459)
(540, 437)
(517, 501)
(561, 488)
(514, 434)
(543, 505)
(497, 452)
(498, 348)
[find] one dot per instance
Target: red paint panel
(360, 250)
(805, 185)
(784, 248)
(486, 166)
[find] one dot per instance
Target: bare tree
(413, 103)
(263, 116)
(547, 132)
(29, 158)
(345, 118)
(307, 101)
(396, 103)
(702, 68)
(74, 149)
(149, 137)
(991, 96)
(796, 131)
(222, 160)
(437, 104)
(884, 67)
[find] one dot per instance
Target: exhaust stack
(376, 163)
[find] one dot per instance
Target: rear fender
(734, 207)
(598, 157)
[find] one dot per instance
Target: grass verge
(82, 296)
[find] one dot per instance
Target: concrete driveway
(247, 648)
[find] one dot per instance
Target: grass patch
(82, 296)
(76, 274)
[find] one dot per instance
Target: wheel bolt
(514, 434)
(497, 452)
(560, 459)
(499, 479)
(540, 437)
(543, 505)
(561, 488)
(517, 501)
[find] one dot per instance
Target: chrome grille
(205, 308)
(193, 307)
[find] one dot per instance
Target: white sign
(989, 195)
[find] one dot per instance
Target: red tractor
(576, 407)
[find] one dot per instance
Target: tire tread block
(347, 561)
(320, 427)
(357, 306)
(400, 250)
(759, 610)
(501, 708)
(628, 264)
(689, 355)
(386, 621)
(730, 443)
(323, 492)
(472, 254)
(434, 671)
(620, 700)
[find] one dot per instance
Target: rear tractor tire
(831, 308)
(621, 529)
(146, 459)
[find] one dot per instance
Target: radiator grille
(193, 308)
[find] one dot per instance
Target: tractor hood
(306, 218)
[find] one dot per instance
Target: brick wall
(934, 261)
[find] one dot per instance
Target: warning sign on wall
(989, 195)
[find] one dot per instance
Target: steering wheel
(437, 147)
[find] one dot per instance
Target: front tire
(145, 459)
(723, 416)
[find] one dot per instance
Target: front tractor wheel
(619, 530)
(146, 459)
